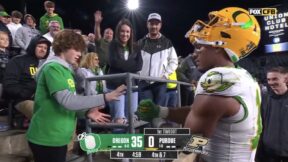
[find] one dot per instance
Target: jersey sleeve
(55, 80)
(219, 81)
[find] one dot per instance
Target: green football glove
(147, 110)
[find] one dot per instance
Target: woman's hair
(88, 60)
(68, 39)
(117, 33)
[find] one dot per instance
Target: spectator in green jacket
(49, 16)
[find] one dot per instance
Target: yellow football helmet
(231, 28)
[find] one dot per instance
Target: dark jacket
(117, 63)
(275, 124)
(4, 58)
(19, 83)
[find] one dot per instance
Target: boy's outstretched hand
(98, 116)
(111, 96)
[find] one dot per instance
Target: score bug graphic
(155, 143)
(166, 138)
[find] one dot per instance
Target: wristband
(163, 112)
(104, 95)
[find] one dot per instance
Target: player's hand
(98, 116)
(98, 16)
(111, 96)
(147, 110)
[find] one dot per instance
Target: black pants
(272, 159)
(48, 154)
(265, 155)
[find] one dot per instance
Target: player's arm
(207, 110)
(178, 115)
(147, 111)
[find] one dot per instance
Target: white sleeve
(19, 38)
(172, 62)
(219, 81)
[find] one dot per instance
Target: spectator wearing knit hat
(4, 17)
(24, 34)
(3, 22)
(49, 16)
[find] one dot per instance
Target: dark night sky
(177, 15)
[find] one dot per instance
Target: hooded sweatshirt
(19, 83)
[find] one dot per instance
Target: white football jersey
(235, 138)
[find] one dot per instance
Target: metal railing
(130, 77)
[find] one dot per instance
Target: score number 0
(151, 141)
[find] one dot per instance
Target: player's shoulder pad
(219, 79)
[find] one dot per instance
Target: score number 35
(137, 141)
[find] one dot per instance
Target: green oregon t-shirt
(52, 124)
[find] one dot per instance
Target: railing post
(129, 103)
(179, 95)
(129, 80)
(88, 128)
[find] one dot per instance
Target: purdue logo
(196, 144)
